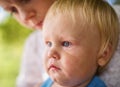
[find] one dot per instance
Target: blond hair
(94, 12)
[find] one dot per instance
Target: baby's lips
(52, 63)
(52, 66)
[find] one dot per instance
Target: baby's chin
(61, 81)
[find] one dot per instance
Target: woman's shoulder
(34, 39)
(34, 35)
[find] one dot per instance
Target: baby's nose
(53, 53)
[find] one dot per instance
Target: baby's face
(30, 13)
(71, 51)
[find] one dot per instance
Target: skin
(30, 13)
(71, 53)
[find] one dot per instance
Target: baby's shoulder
(47, 83)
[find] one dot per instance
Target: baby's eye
(66, 43)
(49, 44)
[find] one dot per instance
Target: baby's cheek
(69, 66)
(45, 60)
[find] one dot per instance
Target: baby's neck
(80, 85)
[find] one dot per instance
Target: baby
(80, 37)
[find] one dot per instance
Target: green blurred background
(12, 38)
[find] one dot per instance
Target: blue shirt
(95, 82)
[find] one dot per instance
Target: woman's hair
(96, 13)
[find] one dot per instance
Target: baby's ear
(105, 57)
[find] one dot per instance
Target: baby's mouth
(53, 67)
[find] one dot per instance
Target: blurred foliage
(12, 37)
(12, 32)
(10, 57)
